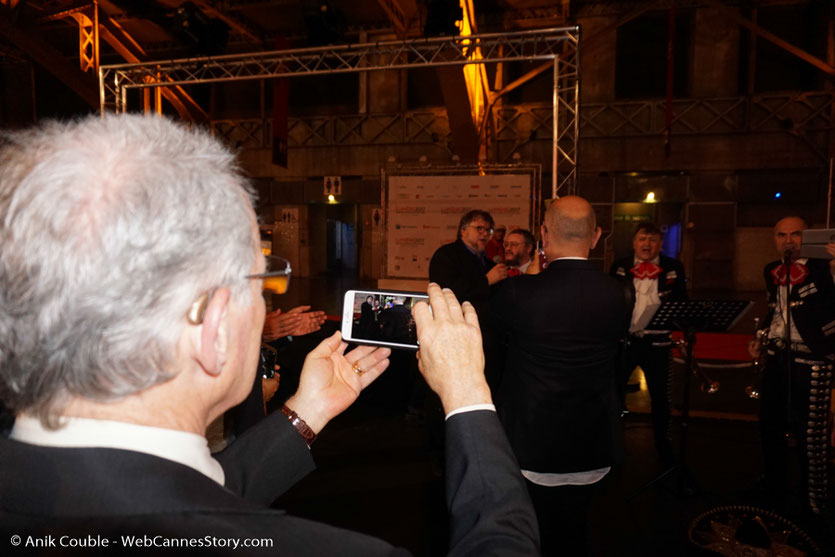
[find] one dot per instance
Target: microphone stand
(787, 335)
(792, 465)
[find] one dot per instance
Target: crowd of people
(563, 339)
(132, 317)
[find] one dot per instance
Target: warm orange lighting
(650, 198)
(475, 75)
(277, 284)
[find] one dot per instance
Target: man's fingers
(289, 318)
(368, 361)
(438, 301)
(342, 347)
(453, 305)
(299, 309)
(470, 315)
(328, 346)
(361, 352)
(369, 375)
(422, 314)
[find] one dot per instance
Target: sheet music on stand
(715, 316)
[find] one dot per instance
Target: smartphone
(380, 318)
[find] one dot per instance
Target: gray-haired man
(131, 316)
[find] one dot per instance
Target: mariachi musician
(652, 278)
(795, 392)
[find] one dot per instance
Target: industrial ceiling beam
(772, 38)
(401, 19)
(130, 50)
(31, 40)
(235, 23)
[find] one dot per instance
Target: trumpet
(760, 336)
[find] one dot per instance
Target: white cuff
(471, 408)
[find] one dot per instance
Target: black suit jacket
(113, 493)
(813, 312)
(557, 398)
(455, 267)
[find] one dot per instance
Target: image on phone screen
(380, 317)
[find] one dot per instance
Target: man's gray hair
(110, 228)
(472, 215)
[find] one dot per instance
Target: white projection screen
(422, 212)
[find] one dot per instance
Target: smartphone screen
(380, 317)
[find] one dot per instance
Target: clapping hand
(296, 322)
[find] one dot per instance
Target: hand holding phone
(331, 380)
(451, 357)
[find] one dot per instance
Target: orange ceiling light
(475, 75)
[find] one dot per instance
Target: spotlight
(778, 195)
(650, 198)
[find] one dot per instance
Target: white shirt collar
(189, 449)
(571, 258)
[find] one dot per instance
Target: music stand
(690, 317)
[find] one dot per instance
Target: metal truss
(559, 45)
(425, 127)
(87, 18)
(807, 115)
(88, 39)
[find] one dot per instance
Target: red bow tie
(513, 272)
(645, 270)
(798, 273)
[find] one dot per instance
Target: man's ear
(597, 232)
(543, 232)
(214, 334)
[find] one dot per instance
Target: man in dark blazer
(463, 267)
(557, 400)
(652, 279)
(794, 396)
(143, 325)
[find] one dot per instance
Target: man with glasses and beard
(463, 267)
(518, 252)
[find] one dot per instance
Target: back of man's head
(570, 221)
(109, 229)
